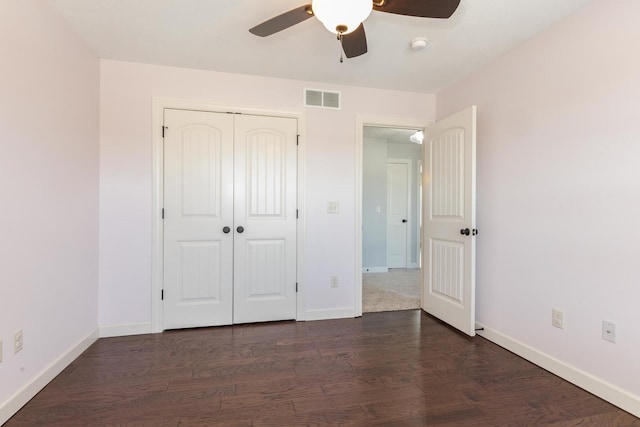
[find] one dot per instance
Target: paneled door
(450, 220)
(229, 218)
(198, 204)
(265, 219)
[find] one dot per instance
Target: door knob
(225, 230)
(240, 229)
(404, 220)
(465, 231)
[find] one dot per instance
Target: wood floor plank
(440, 413)
(383, 369)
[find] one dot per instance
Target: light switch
(333, 207)
(378, 209)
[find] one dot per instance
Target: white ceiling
(213, 35)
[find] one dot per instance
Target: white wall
(374, 194)
(125, 169)
(376, 153)
(49, 88)
(559, 190)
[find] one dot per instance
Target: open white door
(450, 220)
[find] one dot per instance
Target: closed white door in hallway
(397, 212)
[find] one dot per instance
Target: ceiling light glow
(340, 16)
(417, 137)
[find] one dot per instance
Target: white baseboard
(125, 329)
(26, 393)
(609, 392)
(375, 270)
(337, 313)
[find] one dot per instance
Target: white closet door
(198, 204)
(265, 171)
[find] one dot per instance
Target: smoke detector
(418, 43)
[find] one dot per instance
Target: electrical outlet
(609, 331)
(334, 281)
(17, 341)
(557, 318)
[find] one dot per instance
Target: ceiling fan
(345, 17)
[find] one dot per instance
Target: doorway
(391, 218)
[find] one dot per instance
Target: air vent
(322, 99)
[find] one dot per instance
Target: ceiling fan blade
(284, 21)
(355, 43)
(421, 8)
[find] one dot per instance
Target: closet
(229, 218)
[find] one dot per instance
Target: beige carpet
(399, 289)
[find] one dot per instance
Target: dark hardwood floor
(389, 369)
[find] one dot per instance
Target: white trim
(334, 313)
(12, 405)
(419, 218)
(125, 329)
(302, 216)
(361, 122)
(601, 388)
(159, 104)
(375, 270)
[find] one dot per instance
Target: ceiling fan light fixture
(336, 15)
(417, 137)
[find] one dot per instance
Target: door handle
(226, 230)
(404, 220)
(240, 229)
(465, 231)
(474, 232)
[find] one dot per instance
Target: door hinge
(296, 213)
(297, 139)
(296, 287)
(163, 128)
(162, 213)
(162, 295)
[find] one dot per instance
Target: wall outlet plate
(609, 331)
(557, 318)
(334, 281)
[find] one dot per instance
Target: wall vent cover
(322, 99)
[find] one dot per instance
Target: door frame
(159, 104)
(419, 218)
(361, 122)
